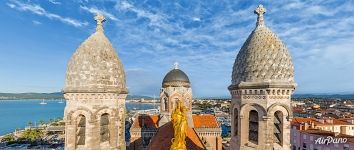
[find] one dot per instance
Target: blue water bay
(17, 113)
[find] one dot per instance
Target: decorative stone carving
(261, 88)
(95, 92)
(263, 57)
(95, 66)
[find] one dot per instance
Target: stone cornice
(176, 84)
(94, 96)
(262, 85)
(88, 90)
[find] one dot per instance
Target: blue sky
(38, 38)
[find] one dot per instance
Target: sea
(18, 113)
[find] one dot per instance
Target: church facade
(261, 89)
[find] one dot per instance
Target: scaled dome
(95, 66)
(263, 59)
(175, 75)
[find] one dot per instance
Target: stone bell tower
(175, 86)
(95, 92)
(261, 89)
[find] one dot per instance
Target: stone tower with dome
(175, 86)
(155, 131)
(261, 89)
(95, 91)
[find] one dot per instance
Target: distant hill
(327, 96)
(55, 95)
(332, 96)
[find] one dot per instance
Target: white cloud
(209, 50)
(11, 5)
(54, 2)
(94, 11)
(332, 66)
(196, 19)
(38, 10)
(35, 22)
(154, 18)
(205, 36)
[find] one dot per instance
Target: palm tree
(30, 124)
(41, 122)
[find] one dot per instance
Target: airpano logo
(330, 140)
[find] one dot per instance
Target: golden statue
(179, 121)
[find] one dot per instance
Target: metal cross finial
(260, 10)
(99, 19)
(175, 65)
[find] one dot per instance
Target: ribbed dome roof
(95, 66)
(176, 75)
(263, 58)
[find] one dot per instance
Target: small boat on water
(61, 101)
(43, 103)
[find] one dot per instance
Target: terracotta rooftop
(318, 132)
(146, 121)
(163, 137)
(317, 122)
(299, 109)
(205, 121)
(200, 121)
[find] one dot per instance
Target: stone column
(70, 135)
(286, 134)
(243, 134)
(113, 132)
(267, 132)
(121, 132)
(93, 136)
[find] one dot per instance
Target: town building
(261, 89)
(314, 134)
(95, 92)
(340, 126)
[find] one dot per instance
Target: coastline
(17, 113)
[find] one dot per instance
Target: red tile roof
(205, 121)
(297, 121)
(147, 121)
(163, 137)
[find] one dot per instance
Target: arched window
(146, 140)
(235, 121)
(165, 100)
(104, 130)
(278, 127)
(253, 127)
(81, 130)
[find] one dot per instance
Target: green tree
(8, 138)
(54, 124)
(32, 134)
